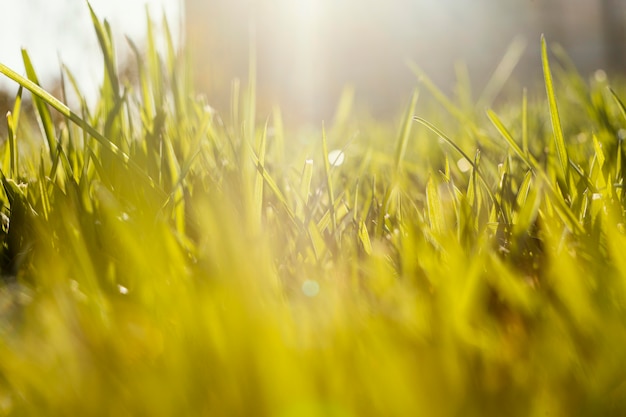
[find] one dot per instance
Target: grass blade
(435, 209)
(42, 110)
(493, 117)
(405, 132)
(329, 181)
(559, 140)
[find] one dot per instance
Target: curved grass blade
(619, 102)
(76, 119)
(450, 142)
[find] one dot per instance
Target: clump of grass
(158, 261)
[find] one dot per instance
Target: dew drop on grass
(464, 165)
(122, 289)
(310, 288)
(336, 157)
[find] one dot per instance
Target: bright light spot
(309, 162)
(464, 165)
(336, 157)
(596, 196)
(600, 76)
(310, 288)
(123, 290)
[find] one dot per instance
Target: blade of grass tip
(522, 192)
(502, 72)
(329, 182)
(12, 124)
(405, 132)
(436, 92)
(42, 110)
(169, 42)
(561, 150)
(147, 105)
(11, 127)
(435, 209)
(619, 102)
(364, 237)
(107, 51)
(155, 74)
(53, 102)
(273, 186)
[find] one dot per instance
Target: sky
(54, 31)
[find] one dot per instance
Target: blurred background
(308, 50)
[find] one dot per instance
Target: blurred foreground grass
(159, 261)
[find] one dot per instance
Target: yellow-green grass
(161, 260)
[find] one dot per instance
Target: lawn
(159, 258)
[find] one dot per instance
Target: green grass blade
(106, 46)
(42, 110)
(56, 104)
(502, 72)
(493, 117)
(257, 203)
(329, 181)
(12, 125)
(405, 132)
(618, 101)
(435, 208)
(559, 140)
(525, 121)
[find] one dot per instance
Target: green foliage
(159, 261)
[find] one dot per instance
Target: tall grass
(159, 261)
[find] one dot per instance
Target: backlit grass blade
(450, 142)
(304, 188)
(436, 92)
(56, 104)
(42, 110)
(258, 182)
(272, 185)
(620, 104)
(12, 125)
(106, 46)
(502, 72)
(557, 129)
(405, 132)
(509, 139)
(525, 121)
(364, 238)
(329, 181)
(435, 208)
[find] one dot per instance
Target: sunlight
(305, 11)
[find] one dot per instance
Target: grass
(158, 260)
